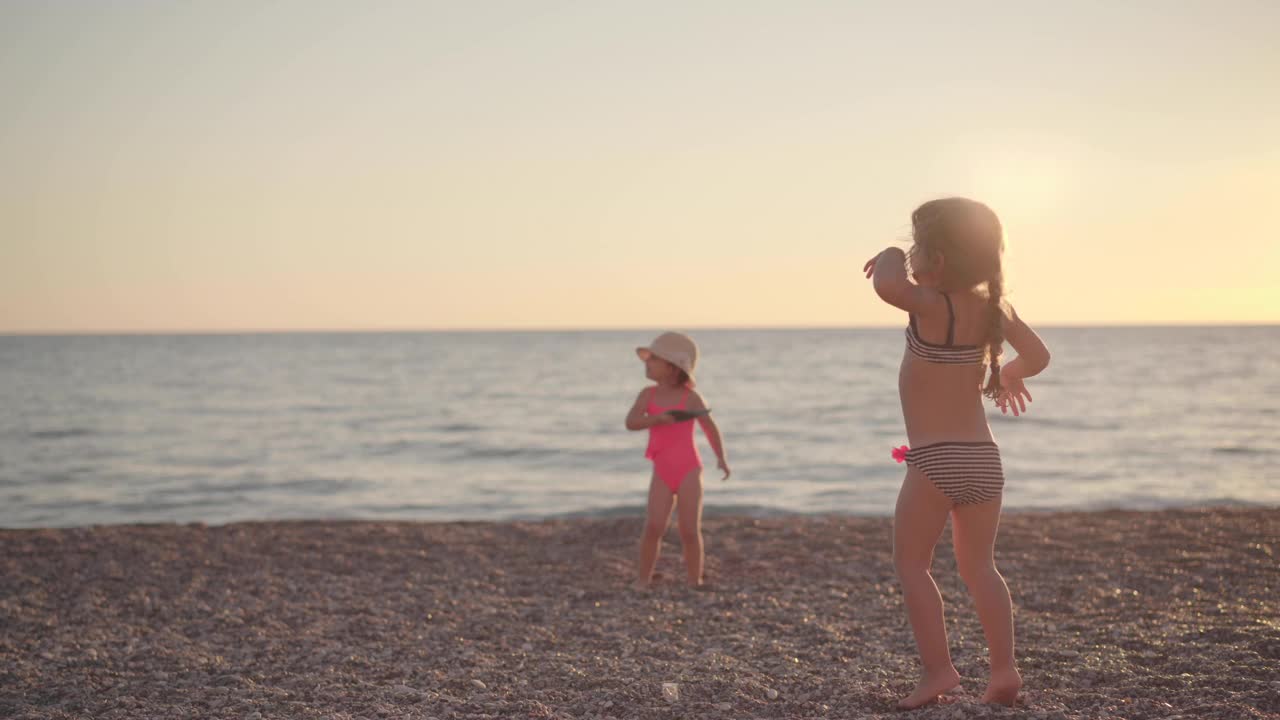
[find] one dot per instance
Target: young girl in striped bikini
(957, 325)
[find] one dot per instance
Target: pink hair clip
(900, 453)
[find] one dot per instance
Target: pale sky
(255, 165)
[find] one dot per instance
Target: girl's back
(939, 382)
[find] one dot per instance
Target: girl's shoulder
(671, 396)
(978, 303)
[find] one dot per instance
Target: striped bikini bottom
(966, 472)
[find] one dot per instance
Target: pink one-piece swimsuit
(671, 447)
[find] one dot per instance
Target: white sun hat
(676, 348)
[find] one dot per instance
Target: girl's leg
(973, 529)
(917, 522)
(689, 514)
(655, 526)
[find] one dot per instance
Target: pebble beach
(1167, 614)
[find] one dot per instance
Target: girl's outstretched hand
(870, 267)
(1013, 395)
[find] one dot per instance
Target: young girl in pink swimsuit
(957, 324)
(677, 468)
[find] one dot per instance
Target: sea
(444, 426)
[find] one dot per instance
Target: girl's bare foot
(931, 686)
(1003, 688)
(702, 586)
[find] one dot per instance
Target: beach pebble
(479, 684)
(724, 707)
(404, 692)
(671, 692)
(771, 694)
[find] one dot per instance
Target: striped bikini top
(948, 354)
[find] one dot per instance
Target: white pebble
(771, 694)
(671, 691)
(479, 684)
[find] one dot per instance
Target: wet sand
(1119, 615)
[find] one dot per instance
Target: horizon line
(565, 328)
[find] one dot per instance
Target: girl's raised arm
(888, 274)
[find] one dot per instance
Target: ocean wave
(317, 485)
(318, 408)
(507, 453)
(60, 434)
(203, 462)
(151, 506)
(58, 478)
(456, 428)
(394, 509)
(1063, 423)
(357, 380)
(386, 449)
(638, 510)
(1242, 450)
